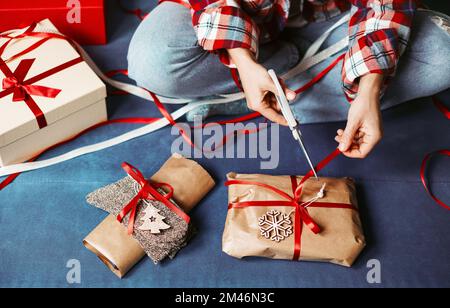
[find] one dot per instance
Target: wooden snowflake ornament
(153, 221)
(275, 226)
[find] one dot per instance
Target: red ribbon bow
(14, 82)
(148, 191)
(301, 211)
(22, 90)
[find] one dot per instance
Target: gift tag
(153, 221)
(275, 226)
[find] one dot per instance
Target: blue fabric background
(44, 216)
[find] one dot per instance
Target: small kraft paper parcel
(147, 216)
(294, 218)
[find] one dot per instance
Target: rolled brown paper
(110, 240)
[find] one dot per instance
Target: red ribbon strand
(321, 75)
(441, 107)
(423, 178)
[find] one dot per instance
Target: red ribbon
(422, 175)
(301, 211)
(321, 75)
(28, 33)
(148, 191)
(441, 107)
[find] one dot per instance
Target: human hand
(258, 86)
(364, 128)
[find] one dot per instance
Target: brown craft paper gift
(340, 240)
(110, 240)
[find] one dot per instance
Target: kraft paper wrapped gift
(110, 240)
(263, 220)
(46, 95)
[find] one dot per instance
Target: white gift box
(36, 112)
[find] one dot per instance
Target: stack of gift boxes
(50, 94)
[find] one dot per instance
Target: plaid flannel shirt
(379, 29)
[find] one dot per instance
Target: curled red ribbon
(301, 211)
(148, 191)
(423, 179)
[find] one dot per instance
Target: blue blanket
(44, 215)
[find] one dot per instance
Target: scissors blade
(305, 151)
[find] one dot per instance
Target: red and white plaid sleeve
(221, 25)
(379, 33)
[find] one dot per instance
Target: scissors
(289, 116)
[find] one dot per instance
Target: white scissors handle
(283, 102)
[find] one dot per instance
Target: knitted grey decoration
(114, 197)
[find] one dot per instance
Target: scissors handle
(283, 102)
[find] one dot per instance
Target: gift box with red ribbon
(293, 218)
(82, 20)
(47, 92)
